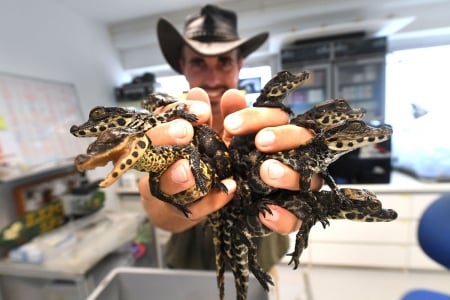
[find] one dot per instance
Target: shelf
(45, 171)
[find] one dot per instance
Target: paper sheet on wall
(36, 116)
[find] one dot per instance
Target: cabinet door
(362, 83)
(315, 90)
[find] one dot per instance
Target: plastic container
(130, 283)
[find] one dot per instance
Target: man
(210, 55)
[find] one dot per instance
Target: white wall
(43, 39)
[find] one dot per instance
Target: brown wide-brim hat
(212, 32)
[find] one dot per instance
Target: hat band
(205, 36)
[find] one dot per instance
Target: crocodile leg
(263, 277)
(155, 190)
(180, 111)
(344, 201)
(195, 162)
(301, 241)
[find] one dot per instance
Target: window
(417, 101)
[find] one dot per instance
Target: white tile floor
(325, 283)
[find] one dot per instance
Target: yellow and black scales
(338, 129)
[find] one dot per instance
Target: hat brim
(171, 42)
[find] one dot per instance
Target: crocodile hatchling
(313, 206)
(330, 120)
(208, 155)
(130, 148)
(101, 118)
(316, 155)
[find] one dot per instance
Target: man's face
(215, 74)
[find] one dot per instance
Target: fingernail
(181, 174)
(230, 185)
(273, 217)
(265, 138)
(199, 108)
(275, 170)
(233, 122)
(178, 129)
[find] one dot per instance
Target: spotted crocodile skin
(101, 118)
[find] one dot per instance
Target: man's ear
(181, 63)
(240, 62)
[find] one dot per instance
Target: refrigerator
(352, 68)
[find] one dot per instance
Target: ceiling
(110, 12)
(132, 23)
(114, 11)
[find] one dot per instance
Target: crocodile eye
(97, 113)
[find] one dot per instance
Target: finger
(280, 220)
(278, 175)
(177, 178)
(176, 132)
(197, 102)
(200, 107)
(197, 94)
(273, 139)
(232, 101)
(253, 119)
(212, 202)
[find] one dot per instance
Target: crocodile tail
(214, 223)
(240, 267)
(237, 255)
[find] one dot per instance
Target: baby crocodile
(207, 151)
(130, 148)
(316, 155)
(326, 114)
(101, 118)
(313, 206)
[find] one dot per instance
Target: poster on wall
(35, 117)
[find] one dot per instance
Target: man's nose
(213, 76)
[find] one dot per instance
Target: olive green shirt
(194, 249)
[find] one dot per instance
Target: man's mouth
(215, 93)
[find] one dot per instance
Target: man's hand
(272, 129)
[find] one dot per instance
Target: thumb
(232, 101)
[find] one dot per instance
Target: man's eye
(226, 61)
(197, 63)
